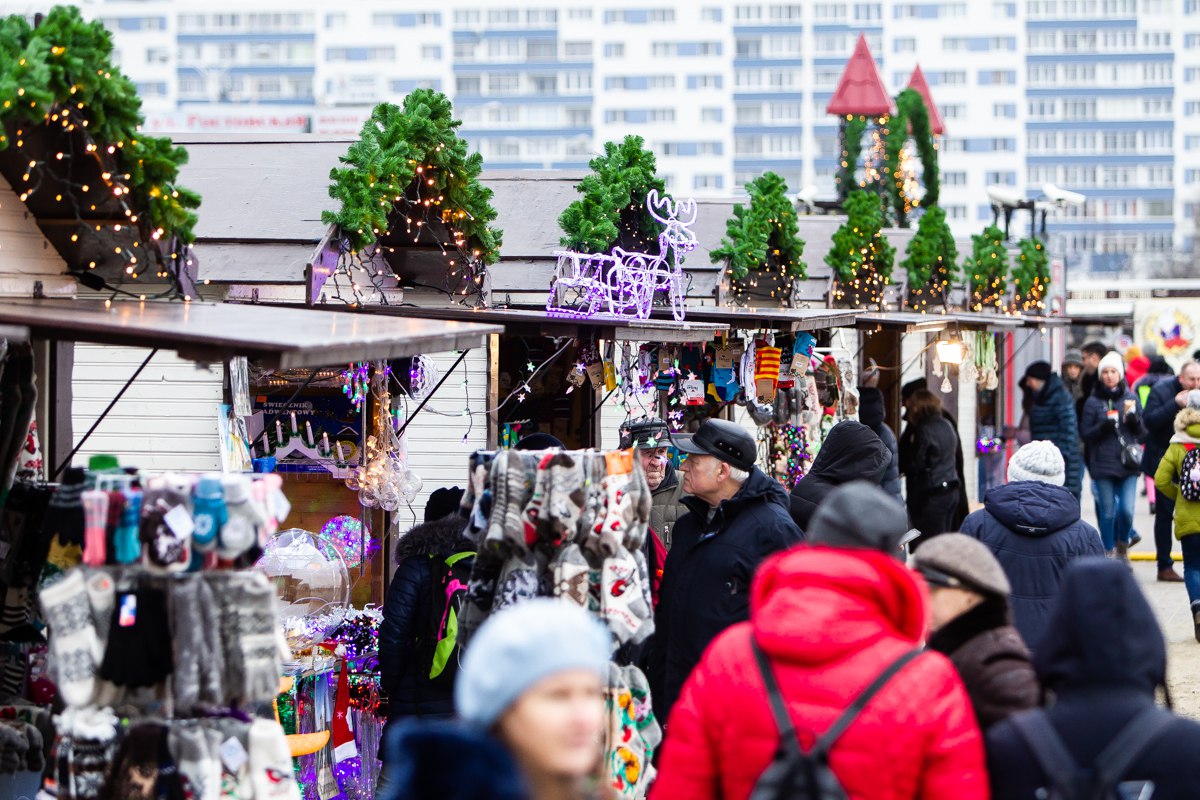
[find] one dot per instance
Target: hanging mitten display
(244, 516)
(571, 575)
(622, 604)
(564, 501)
(139, 640)
(74, 647)
(95, 515)
(167, 525)
(766, 372)
(209, 512)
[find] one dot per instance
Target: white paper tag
(180, 521)
(233, 755)
(280, 505)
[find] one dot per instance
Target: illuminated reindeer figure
(625, 283)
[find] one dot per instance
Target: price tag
(127, 611)
(724, 359)
(595, 373)
(666, 358)
(693, 392)
(180, 522)
(233, 755)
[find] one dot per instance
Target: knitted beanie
(1038, 461)
(1114, 360)
(1193, 399)
(964, 559)
(518, 647)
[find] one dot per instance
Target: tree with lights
(761, 243)
(1030, 275)
(987, 267)
(932, 262)
(612, 211)
(861, 256)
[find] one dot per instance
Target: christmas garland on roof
(1030, 274)
(932, 262)
(409, 165)
(62, 73)
(612, 210)
(853, 129)
(987, 267)
(762, 236)
(861, 257)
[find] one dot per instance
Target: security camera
(1004, 196)
(807, 195)
(1062, 197)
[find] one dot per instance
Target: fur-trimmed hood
(438, 538)
(1186, 418)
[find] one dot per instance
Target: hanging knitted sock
(74, 648)
(618, 514)
(766, 372)
(342, 731)
(641, 501)
(532, 514)
(209, 513)
(199, 766)
(257, 640)
(128, 545)
(101, 593)
(564, 503)
(240, 531)
(644, 585)
(786, 378)
(271, 771)
(571, 576)
(518, 581)
(622, 606)
(64, 523)
(166, 527)
(95, 519)
(187, 637)
(116, 508)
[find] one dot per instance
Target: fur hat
(1114, 360)
(955, 558)
(1038, 461)
(1193, 398)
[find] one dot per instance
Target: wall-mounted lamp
(950, 351)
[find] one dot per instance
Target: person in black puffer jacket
(1111, 416)
(421, 554)
(1103, 660)
(1052, 418)
(927, 461)
(851, 452)
(964, 503)
(871, 414)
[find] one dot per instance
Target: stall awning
(903, 321)
(539, 323)
(281, 338)
(780, 319)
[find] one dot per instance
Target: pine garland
(861, 256)
(853, 129)
(763, 235)
(1031, 273)
(911, 119)
(612, 210)
(988, 268)
(409, 162)
(932, 254)
(62, 73)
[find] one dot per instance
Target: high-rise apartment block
(1096, 96)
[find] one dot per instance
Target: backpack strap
(1048, 750)
(827, 740)
(1133, 740)
(457, 557)
(789, 744)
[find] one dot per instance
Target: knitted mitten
(622, 604)
(271, 772)
(571, 575)
(593, 505)
(564, 502)
(209, 512)
(95, 520)
(618, 514)
(199, 765)
(501, 498)
(766, 372)
(139, 639)
(166, 529)
(518, 581)
(126, 542)
(116, 509)
(258, 638)
(240, 531)
(726, 383)
(64, 522)
(74, 648)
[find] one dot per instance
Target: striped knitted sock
(766, 372)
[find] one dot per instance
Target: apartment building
(1097, 96)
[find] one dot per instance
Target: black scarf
(1110, 395)
(992, 613)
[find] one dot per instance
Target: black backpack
(1101, 781)
(451, 575)
(794, 774)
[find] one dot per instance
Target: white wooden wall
(167, 420)
(25, 255)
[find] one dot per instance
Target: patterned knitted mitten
(618, 516)
(571, 575)
(74, 648)
(564, 503)
(622, 603)
(532, 515)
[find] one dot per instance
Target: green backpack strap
(444, 649)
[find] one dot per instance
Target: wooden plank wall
(25, 255)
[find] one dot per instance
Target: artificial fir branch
(762, 236)
(987, 267)
(1030, 273)
(861, 256)
(932, 255)
(612, 210)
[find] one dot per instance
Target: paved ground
(1170, 603)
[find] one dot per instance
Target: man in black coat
(851, 452)
(1166, 398)
(737, 517)
(964, 503)
(1103, 661)
(1052, 419)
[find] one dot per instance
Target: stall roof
(206, 332)
(540, 323)
(789, 319)
(905, 321)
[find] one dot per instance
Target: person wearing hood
(927, 461)
(851, 452)
(651, 438)
(1162, 405)
(1110, 424)
(964, 503)
(403, 656)
(1052, 418)
(737, 516)
(530, 702)
(871, 413)
(1159, 370)
(829, 619)
(1103, 660)
(1072, 376)
(1169, 477)
(972, 626)
(1033, 527)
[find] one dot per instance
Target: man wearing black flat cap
(1052, 419)
(737, 516)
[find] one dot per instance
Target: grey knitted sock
(188, 638)
(198, 764)
(212, 653)
(500, 497)
(564, 504)
(258, 642)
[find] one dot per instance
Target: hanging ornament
(384, 480)
(355, 383)
(422, 377)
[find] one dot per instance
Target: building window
(904, 44)
(711, 115)
(709, 14)
(1005, 110)
(702, 182)
(467, 84)
(954, 178)
(614, 50)
(431, 52)
(577, 50)
(662, 115)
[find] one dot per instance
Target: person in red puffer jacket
(830, 618)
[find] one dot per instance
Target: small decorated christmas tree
(932, 260)
(1030, 275)
(861, 257)
(612, 211)
(762, 247)
(987, 268)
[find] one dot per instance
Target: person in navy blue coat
(1032, 526)
(1052, 418)
(1111, 421)
(1103, 660)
